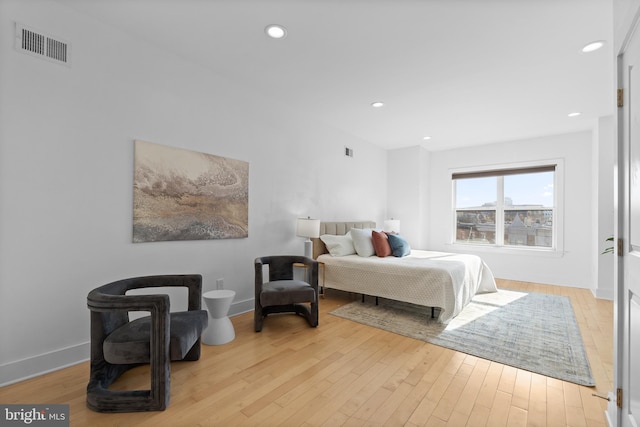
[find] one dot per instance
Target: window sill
(505, 250)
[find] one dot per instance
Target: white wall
(569, 268)
(66, 171)
(602, 183)
(408, 192)
(624, 13)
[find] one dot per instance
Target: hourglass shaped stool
(220, 329)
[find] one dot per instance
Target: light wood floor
(346, 374)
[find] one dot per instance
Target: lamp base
(308, 248)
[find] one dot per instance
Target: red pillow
(381, 244)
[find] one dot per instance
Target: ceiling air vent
(37, 43)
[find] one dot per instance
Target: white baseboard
(612, 410)
(609, 422)
(604, 294)
(241, 307)
(30, 367)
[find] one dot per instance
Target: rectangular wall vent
(348, 152)
(39, 44)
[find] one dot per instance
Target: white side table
(220, 329)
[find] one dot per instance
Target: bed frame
(338, 229)
(342, 228)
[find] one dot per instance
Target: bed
(432, 279)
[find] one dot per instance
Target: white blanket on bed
(432, 279)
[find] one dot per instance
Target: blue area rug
(531, 331)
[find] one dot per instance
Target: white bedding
(432, 279)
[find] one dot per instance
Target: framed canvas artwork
(180, 194)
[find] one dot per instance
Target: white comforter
(432, 279)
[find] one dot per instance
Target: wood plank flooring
(346, 374)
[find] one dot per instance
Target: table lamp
(392, 225)
(308, 228)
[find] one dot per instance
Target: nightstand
(320, 273)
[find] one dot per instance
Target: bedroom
(66, 183)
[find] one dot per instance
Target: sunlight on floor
(483, 304)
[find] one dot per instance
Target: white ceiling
(461, 71)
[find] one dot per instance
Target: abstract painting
(180, 194)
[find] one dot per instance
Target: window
(508, 207)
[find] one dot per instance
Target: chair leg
(101, 399)
(308, 312)
(314, 315)
(257, 321)
(194, 352)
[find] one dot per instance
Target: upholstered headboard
(338, 228)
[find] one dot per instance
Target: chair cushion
(130, 342)
(283, 292)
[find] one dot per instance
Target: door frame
(622, 238)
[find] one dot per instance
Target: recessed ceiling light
(576, 114)
(377, 104)
(426, 138)
(593, 46)
(276, 31)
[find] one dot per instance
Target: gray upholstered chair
(118, 344)
(281, 293)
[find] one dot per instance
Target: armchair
(281, 293)
(118, 344)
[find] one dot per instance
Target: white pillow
(338, 245)
(362, 241)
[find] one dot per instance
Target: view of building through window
(505, 208)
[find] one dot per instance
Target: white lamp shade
(392, 225)
(308, 227)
